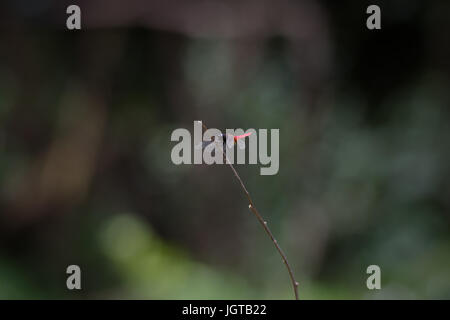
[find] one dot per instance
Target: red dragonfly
(227, 139)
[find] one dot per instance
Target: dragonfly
(227, 140)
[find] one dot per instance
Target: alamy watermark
(214, 147)
(74, 280)
(374, 280)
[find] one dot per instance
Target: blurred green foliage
(86, 176)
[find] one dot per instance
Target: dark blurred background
(85, 170)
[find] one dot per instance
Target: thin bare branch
(263, 222)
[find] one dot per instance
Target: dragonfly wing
(202, 145)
